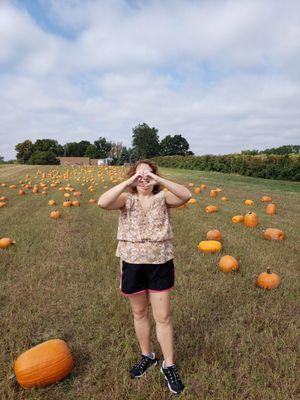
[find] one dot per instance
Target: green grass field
(60, 280)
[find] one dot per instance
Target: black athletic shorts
(138, 278)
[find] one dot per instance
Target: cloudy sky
(225, 74)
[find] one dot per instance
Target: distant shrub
(285, 167)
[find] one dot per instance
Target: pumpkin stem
(268, 270)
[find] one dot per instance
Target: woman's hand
(135, 179)
(151, 178)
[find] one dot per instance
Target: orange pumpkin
(209, 246)
(197, 190)
(51, 202)
(92, 201)
(75, 203)
(268, 280)
(250, 219)
(211, 209)
(44, 364)
(192, 201)
(67, 203)
(274, 234)
(22, 192)
(214, 234)
(237, 218)
(249, 202)
(6, 242)
(55, 214)
(228, 264)
(224, 198)
(213, 193)
(271, 209)
(265, 199)
(203, 186)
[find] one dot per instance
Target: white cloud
(224, 74)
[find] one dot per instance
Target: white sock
(164, 365)
(151, 355)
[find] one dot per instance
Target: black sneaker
(140, 368)
(172, 377)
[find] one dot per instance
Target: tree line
(145, 144)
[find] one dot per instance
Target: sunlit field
(233, 340)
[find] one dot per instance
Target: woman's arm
(176, 195)
(114, 198)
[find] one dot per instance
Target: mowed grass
(232, 339)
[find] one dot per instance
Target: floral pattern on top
(145, 237)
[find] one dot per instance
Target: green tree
(48, 145)
(24, 151)
(124, 157)
(44, 158)
(174, 145)
(83, 145)
(282, 150)
(249, 152)
(133, 155)
(1, 160)
(103, 147)
(145, 141)
(72, 149)
(91, 151)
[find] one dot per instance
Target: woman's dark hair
(154, 169)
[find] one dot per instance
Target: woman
(146, 259)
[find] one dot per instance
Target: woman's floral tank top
(145, 237)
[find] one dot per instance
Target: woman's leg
(139, 305)
(161, 310)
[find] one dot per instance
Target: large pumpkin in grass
(249, 202)
(250, 219)
(6, 242)
(268, 280)
(55, 214)
(228, 264)
(210, 246)
(214, 234)
(271, 209)
(273, 234)
(44, 364)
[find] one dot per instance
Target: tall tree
(124, 156)
(72, 149)
(82, 146)
(145, 141)
(43, 158)
(174, 145)
(103, 147)
(48, 145)
(24, 151)
(116, 150)
(92, 151)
